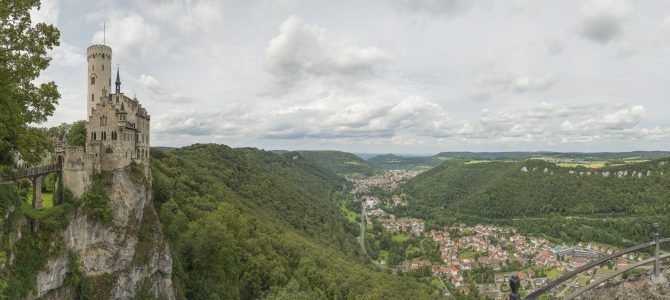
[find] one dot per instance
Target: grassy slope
(299, 233)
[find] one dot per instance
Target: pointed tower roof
(118, 80)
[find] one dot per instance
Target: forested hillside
(245, 223)
(537, 193)
(342, 163)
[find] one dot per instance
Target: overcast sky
(410, 76)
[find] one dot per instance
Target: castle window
(92, 98)
(109, 150)
(92, 80)
(103, 135)
(103, 67)
(113, 135)
(94, 136)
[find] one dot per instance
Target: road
(361, 238)
(361, 242)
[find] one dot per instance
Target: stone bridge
(36, 175)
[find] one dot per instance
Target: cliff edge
(121, 252)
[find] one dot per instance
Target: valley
(194, 149)
(474, 260)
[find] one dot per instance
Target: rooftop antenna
(104, 32)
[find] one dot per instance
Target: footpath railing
(514, 281)
(30, 172)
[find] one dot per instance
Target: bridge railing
(30, 172)
(656, 277)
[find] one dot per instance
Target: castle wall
(76, 177)
(120, 125)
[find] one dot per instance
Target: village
(468, 250)
(387, 181)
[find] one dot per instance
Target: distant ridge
(394, 161)
(338, 162)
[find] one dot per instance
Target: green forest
(543, 197)
(249, 224)
(341, 163)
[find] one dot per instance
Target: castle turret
(99, 74)
(118, 81)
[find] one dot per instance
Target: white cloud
(301, 52)
(47, 13)
(157, 92)
(666, 22)
(67, 55)
(547, 123)
(434, 7)
(603, 21)
(184, 15)
(150, 83)
(554, 47)
(131, 36)
(624, 118)
(229, 123)
(220, 71)
(496, 78)
(338, 116)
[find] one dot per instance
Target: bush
(96, 203)
(96, 200)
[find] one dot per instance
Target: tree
(76, 135)
(59, 131)
(23, 55)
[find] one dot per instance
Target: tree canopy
(23, 55)
(251, 224)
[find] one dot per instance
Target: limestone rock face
(54, 276)
(115, 250)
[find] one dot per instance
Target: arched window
(92, 80)
(109, 150)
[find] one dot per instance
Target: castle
(117, 127)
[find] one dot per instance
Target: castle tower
(99, 75)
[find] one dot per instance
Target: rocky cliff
(117, 257)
